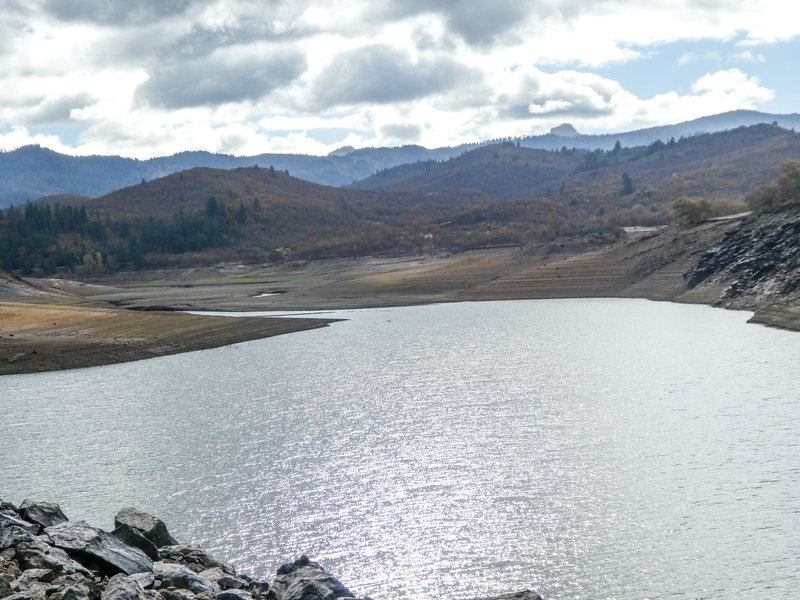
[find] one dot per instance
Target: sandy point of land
(38, 337)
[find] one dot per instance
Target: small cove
(582, 448)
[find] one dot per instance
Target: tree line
(49, 238)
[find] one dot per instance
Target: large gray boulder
(34, 553)
(75, 591)
(223, 579)
(9, 518)
(178, 576)
(306, 580)
(234, 595)
(134, 537)
(86, 542)
(45, 514)
(122, 587)
(12, 534)
(194, 557)
(5, 588)
(176, 594)
(38, 555)
(146, 580)
(151, 527)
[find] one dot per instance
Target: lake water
(581, 448)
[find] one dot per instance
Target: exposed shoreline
(58, 324)
(49, 337)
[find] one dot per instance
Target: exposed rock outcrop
(758, 263)
(74, 561)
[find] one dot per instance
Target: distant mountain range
(565, 135)
(31, 172)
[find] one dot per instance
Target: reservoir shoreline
(54, 324)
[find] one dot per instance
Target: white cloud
(732, 83)
(749, 56)
(241, 76)
(20, 136)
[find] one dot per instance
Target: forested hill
(720, 166)
(198, 216)
(31, 172)
(502, 194)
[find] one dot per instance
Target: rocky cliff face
(44, 556)
(757, 264)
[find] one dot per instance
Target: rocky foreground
(44, 556)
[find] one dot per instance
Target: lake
(580, 448)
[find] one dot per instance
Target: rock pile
(44, 556)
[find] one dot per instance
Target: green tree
(627, 184)
(211, 207)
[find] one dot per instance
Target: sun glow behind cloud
(242, 78)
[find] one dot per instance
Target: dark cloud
(57, 109)
(219, 79)
(251, 23)
(401, 131)
(478, 22)
(382, 74)
(114, 12)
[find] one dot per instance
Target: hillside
(494, 195)
(190, 191)
(199, 216)
(203, 216)
(31, 172)
(721, 166)
(501, 171)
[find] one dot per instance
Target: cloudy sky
(145, 78)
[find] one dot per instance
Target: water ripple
(603, 449)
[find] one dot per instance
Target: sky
(150, 78)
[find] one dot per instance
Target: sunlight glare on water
(583, 448)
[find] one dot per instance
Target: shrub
(690, 211)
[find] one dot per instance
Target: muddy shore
(51, 324)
